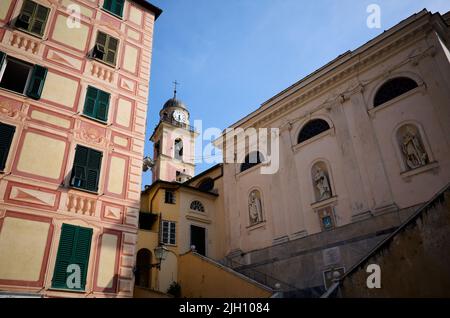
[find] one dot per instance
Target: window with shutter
(74, 248)
(86, 169)
(6, 137)
(106, 48)
(21, 77)
(96, 104)
(114, 6)
(32, 18)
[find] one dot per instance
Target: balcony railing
(172, 121)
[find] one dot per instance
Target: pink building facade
(74, 84)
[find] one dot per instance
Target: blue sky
(232, 55)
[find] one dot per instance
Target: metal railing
(170, 120)
(261, 277)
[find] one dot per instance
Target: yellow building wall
(22, 248)
(149, 239)
(168, 272)
(202, 278)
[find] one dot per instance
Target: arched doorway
(143, 268)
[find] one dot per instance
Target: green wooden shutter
(6, 137)
(64, 256)
(108, 5)
(24, 20)
(89, 103)
(86, 168)
(36, 85)
(118, 9)
(96, 104)
(102, 106)
(79, 173)
(93, 170)
(114, 6)
(82, 251)
(74, 248)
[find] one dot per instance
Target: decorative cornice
(330, 81)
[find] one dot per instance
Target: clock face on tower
(179, 116)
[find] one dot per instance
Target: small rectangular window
(86, 169)
(168, 233)
(73, 251)
(169, 197)
(6, 137)
(21, 77)
(114, 6)
(106, 48)
(96, 104)
(32, 18)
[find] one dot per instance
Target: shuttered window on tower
(96, 104)
(32, 18)
(73, 253)
(114, 6)
(6, 137)
(106, 48)
(86, 169)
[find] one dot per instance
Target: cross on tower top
(175, 83)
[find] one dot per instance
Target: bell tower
(173, 143)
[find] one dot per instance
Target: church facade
(364, 141)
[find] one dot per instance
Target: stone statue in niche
(322, 184)
(412, 149)
(255, 208)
